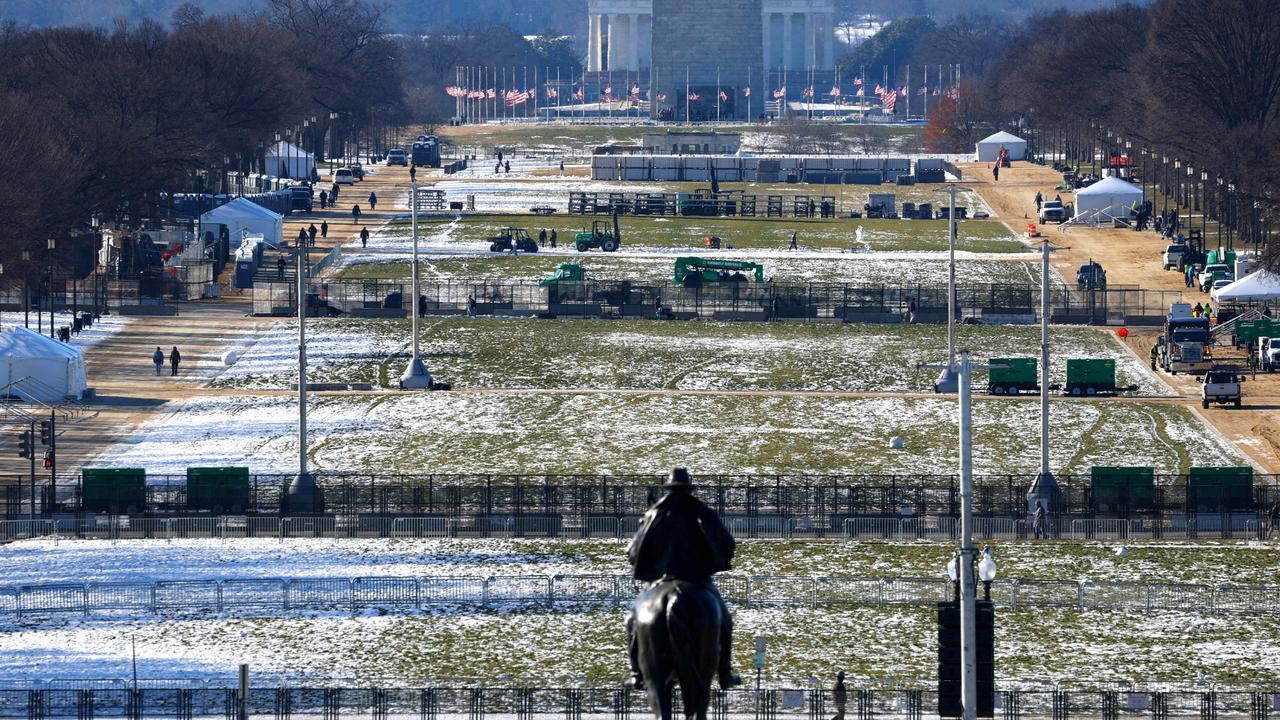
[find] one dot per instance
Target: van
(344, 176)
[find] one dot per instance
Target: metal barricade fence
(1107, 528)
(419, 527)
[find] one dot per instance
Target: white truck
(1210, 273)
(1053, 210)
(1221, 385)
(1268, 354)
(1173, 255)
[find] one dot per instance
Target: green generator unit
(1122, 490)
(1011, 376)
(1248, 331)
(1090, 376)
(218, 489)
(113, 490)
(1220, 489)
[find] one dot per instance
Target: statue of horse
(677, 631)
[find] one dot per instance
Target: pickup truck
(1173, 255)
(1269, 354)
(1216, 271)
(1091, 276)
(1220, 385)
(1053, 210)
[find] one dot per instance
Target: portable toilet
(248, 258)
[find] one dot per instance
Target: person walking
(175, 357)
(413, 173)
(840, 696)
(157, 358)
(1155, 355)
(1207, 310)
(324, 228)
(553, 237)
(302, 237)
(364, 237)
(794, 244)
(471, 306)
(542, 237)
(995, 172)
(373, 201)
(333, 195)
(1274, 516)
(1195, 311)
(311, 235)
(561, 168)
(324, 198)
(507, 167)
(280, 263)
(1039, 201)
(355, 213)
(1037, 522)
(1253, 364)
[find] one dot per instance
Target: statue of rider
(680, 538)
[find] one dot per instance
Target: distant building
(677, 142)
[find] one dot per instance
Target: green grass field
(977, 236)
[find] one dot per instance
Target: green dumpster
(113, 490)
(218, 489)
(1220, 489)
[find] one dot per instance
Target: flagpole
(749, 68)
(908, 91)
(926, 90)
(686, 94)
(717, 94)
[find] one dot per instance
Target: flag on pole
(746, 91)
(890, 99)
(553, 93)
(608, 92)
(835, 92)
(954, 93)
(879, 90)
(922, 91)
(780, 93)
(724, 97)
(857, 81)
(936, 92)
(662, 97)
(578, 94)
(862, 92)
(491, 94)
(693, 95)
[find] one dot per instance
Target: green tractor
(697, 271)
(506, 237)
(565, 272)
(600, 236)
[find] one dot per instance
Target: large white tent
(287, 160)
(988, 148)
(1106, 199)
(242, 217)
(1260, 286)
(36, 367)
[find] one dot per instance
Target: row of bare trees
(98, 122)
(1184, 79)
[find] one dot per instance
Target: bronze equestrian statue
(680, 631)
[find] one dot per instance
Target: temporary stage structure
(36, 367)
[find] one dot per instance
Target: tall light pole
(968, 610)
(304, 495)
(415, 376)
(947, 381)
(1044, 489)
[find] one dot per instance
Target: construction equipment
(566, 272)
(1011, 376)
(507, 236)
(696, 271)
(1093, 376)
(600, 236)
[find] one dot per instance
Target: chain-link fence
(865, 699)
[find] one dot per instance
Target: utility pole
(947, 382)
(303, 495)
(1044, 489)
(968, 608)
(415, 375)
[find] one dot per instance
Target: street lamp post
(1044, 489)
(303, 495)
(26, 291)
(968, 617)
(415, 376)
(51, 245)
(947, 381)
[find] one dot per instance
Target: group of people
(1141, 214)
(175, 357)
(1205, 310)
(544, 238)
(307, 235)
(1168, 223)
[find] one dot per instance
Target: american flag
(954, 93)
(453, 91)
(879, 90)
(780, 93)
(693, 95)
(515, 98)
(577, 94)
(746, 91)
(635, 90)
(862, 92)
(857, 81)
(553, 93)
(922, 91)
(806, 93)
(890, 99)
(491, 93)
(936, 92)
(723, 96)
(662, 97)
(608, 92)
(835, 92)
(476, 95)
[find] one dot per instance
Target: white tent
(1262, 285)
(244, 216)
(988, 148)
(1108, 198)
(287, 160)
(36, 367)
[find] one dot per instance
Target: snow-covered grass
(101, 561)
(616, 432)
(865, 269)
(102, 328)
(637, 355)
(1063, 646)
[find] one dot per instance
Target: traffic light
(46, 432)
(48, 459)
(24, 444)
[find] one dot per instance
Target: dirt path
(1133, 258)
(130, 394)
